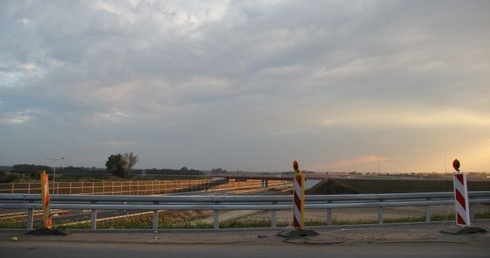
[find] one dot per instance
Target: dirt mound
(395, 185)
(331, 186)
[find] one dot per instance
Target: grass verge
(145, 222)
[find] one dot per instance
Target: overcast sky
(247, 85)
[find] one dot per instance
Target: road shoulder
(374, 234)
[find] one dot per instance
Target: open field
(376, 185)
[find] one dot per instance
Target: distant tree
(115, 165)
(35, 174)
(4, 178)
(121, 165)
(28, 169)
(184, 169)
(218, 171)
(131, 161)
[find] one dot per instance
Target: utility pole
(54, 169)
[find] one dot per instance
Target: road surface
(407, 240)
(103, 250)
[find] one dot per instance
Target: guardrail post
(155, 220)
(30, 218)
(380, 213)
(273, 217)
(93, 220)
(427, 214)
(472, 212)
(329, 216)
(216, 218)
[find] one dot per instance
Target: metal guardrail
(271, 203)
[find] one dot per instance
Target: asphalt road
(406, 240)
(119, 250)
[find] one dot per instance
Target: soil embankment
(379, 186)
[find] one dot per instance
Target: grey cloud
(253, 80)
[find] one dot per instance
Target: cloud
(15, 119)
(369, 163)
(234, 83)
(410, 118)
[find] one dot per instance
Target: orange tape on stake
(46, 200)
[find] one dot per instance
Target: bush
(4, 178)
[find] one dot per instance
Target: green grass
(12, 224)
(145, 222)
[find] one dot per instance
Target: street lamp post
(54, 169)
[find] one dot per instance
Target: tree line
(120, 165)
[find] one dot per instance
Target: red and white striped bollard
(461, 204)
(299, 198)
